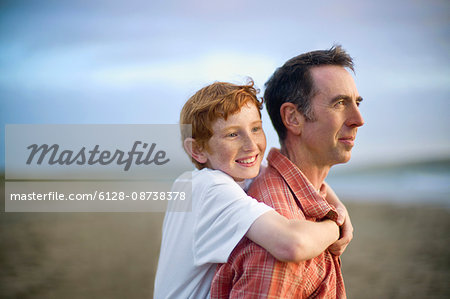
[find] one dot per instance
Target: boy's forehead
(249, 113)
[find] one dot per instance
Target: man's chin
(344, 159)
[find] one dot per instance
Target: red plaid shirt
(252, 272)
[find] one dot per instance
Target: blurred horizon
(138, 62)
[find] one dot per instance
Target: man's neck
(316, 174)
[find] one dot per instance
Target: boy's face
(237, 145)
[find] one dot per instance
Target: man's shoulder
(267, 178)
(269, 187)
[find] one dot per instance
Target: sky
(137, 62)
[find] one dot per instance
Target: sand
(397, 252)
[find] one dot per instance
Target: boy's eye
(232, 134)
(256, 129)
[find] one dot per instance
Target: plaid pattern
(251, 272)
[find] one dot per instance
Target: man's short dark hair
(293, 83)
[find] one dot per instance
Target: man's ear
(194, 150)
(292, 119)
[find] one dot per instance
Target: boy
(227, 146)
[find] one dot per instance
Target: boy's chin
(248, 175)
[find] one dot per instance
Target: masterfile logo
(95, 168)
(94, 156)
(58, 152)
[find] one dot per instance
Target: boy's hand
(338, 247)
(344, 222)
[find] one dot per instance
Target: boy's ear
(292, 119)
(194, 150)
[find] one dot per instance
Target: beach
(398, 251)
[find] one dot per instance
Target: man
(313, 103)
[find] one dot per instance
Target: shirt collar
(311, 202)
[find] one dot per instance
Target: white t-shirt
(193, 243)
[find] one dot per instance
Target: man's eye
(256, 129)
(339, 104)
(232, 134)
(358, 103)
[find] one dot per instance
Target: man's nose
(355, 118)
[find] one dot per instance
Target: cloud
(218, 66)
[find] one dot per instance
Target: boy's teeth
(246, 161)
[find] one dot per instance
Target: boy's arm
(292, 240)
(346, 227)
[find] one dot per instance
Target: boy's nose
(250, 143)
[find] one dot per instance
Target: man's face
(329, 138)
(237, 145)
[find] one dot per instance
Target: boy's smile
(247, 162)
(237, 145)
